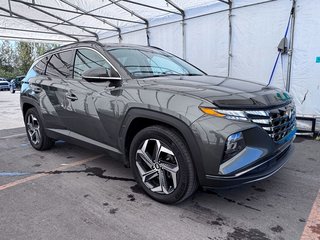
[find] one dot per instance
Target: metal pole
(149, 6)
(9, 4)
(183, 27)
(57, 17)
(184, 42)
(64, 24)
(136, 15)
(86, 12)
(230, 38)
(37, 31)
(290, 51)
(40, 24)
(36, 39)
(198, 16)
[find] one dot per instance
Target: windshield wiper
(192, 74)
(161, 75)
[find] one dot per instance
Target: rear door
(51, 88)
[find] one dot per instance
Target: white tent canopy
(237, 38)
(74, 20)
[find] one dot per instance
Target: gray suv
(173, 124)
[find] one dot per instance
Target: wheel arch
(26, 107)
(137, 119)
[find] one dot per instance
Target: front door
(89, 104)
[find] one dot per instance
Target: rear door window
(60, 65)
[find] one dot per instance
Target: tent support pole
(183, 27)
(57, 17)
(184, 42)
(9, 4)
(35, 39)
(230, 38)
(57, 24)
(84, 13)
(149, 6)
(290, 51)
(146, 22)
(101, 20)
(40, 24)
(37, 31)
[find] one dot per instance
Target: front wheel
(162, 164)
(35, 131)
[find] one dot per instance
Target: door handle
(36, 89)
(71, 96)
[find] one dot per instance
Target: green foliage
(25, 58)
(17, 57)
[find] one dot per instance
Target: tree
(41, 48)
(17, 58)
(25, 57)
(7, 60)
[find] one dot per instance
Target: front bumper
(261, 158)
(254, 173)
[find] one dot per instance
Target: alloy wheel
(33, 128)
(157, 166)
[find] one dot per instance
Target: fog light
(234, 145)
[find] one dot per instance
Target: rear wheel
(162, 164)
(35, 131)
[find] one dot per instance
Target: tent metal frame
(39, 24)
(95, 17)
(74, 12)
(112, 27)
(57, 17)
(57, 24)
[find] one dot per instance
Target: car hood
(229, 93)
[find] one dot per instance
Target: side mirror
(100, 74)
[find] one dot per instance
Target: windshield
(142, 63)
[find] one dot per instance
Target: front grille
(276, 122)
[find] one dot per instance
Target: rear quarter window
(40, 67)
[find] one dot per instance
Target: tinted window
(87, 59)
(40, 67)
(60, 65)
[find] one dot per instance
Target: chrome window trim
(50, 54)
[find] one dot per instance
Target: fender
(176, 123)
(28, 100)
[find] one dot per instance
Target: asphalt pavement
(70, 192)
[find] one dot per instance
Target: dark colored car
(174, 125)
(16, 83)
(4, 85)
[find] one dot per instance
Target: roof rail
(71, 44)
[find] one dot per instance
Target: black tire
(44, 142)
(186, 176)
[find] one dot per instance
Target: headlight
(229, 114)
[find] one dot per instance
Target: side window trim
(92, 49)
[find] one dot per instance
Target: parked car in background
(173, 124)
(4, 85)
(16, 84)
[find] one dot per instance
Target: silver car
(4, 85)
